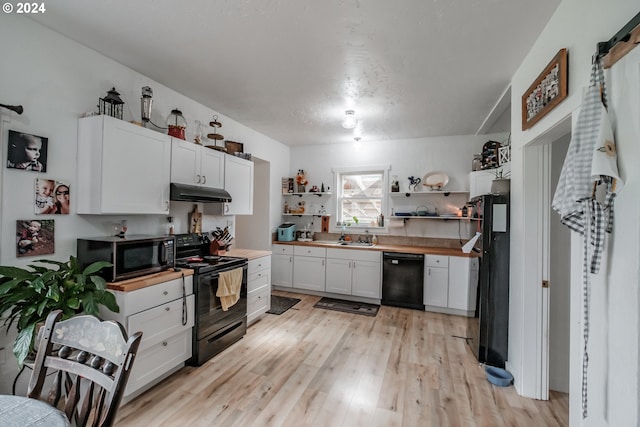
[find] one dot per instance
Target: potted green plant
(28, 296)
(501, 184)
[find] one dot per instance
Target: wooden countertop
(148, 280)
(248, 253)
(426, 250)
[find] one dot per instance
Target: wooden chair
(93, 360)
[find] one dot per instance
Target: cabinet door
(459, 280)
(308, 273)
(212, 168)
(338, 276)
(367, 279)
(238, 181)
(123, 168)
(185, 162)
(282, 270)
(436, 286)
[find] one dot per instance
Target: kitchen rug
(281, 304)
(348, 306)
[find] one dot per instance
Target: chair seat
(25, 412)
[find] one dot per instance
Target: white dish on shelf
(435, 180)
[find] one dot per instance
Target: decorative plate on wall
(435, 180)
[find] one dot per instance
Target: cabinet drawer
(437, 261)
(259, 264)
(309, 251)
(258, 301)
(282, 249)
(160, 323)
(153, 296)
(355, 254)
(258, 279)
(154, 361)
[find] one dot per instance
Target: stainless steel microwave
(130, 256)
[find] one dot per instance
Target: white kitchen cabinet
(354, 272)
(436, 280)
(463, 283)
(258, 288)
(309, 268)
(195, 164)
(282, 265)
(238, 181)
(450, 284)
(480, 181)
(165, 314)
(122, 168)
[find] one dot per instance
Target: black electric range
(215, 329)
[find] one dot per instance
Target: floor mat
(281, 304)
(348, 306)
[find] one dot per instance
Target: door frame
(536, 250)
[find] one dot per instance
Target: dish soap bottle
(374, 240)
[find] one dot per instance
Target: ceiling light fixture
(349, 121)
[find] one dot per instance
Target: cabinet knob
(164, 343)
(198, 179)
(204, 179)
(167, 309)
(165, 293)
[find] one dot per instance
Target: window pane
(369, 185)
(364, 210)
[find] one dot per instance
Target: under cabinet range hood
(193, 193)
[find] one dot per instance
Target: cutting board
(195, 220)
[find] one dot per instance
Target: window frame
(384, 199)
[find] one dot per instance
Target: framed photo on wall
(35, 237)
(27, 152)
(547, 91)
(51, 197)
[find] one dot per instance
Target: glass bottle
(170, 226)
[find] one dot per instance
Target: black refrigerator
(488, 331)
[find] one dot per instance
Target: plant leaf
(109, 301)
(23, 343)
(99, 282)
(73, 303)
(15, 272)
(89, 304)
(96, 267)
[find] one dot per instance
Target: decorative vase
(301, 188)
(501, 186)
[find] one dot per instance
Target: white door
(367, 281)
(338, 278)
(282, 270)
(238, 181)
(211, 168)
(185, 162)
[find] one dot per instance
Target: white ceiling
(290, 68)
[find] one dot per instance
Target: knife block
(216, 249)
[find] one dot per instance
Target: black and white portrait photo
(27, 152)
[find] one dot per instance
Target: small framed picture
(27, 152)
(51, 197)
(35, 237)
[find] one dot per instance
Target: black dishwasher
(403, 280)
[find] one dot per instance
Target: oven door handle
(162, 253)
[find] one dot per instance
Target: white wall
(56, 80)
(578, 25)
(406, 157)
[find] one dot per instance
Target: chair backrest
(93, 360)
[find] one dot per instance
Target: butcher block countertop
(248, 253)
(148, 280)
(407, 249)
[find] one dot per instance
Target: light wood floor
(313, 367)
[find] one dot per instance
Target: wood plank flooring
(314, 367)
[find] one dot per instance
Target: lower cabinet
(309, 268)
(282, 266)
(450, 284)
(354, 272)
(258, 288)
(165, 315)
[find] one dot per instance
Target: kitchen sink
(365, 244)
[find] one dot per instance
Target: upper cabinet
(122, 168)
(480, 181)
(196, 165)
(238, 181)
